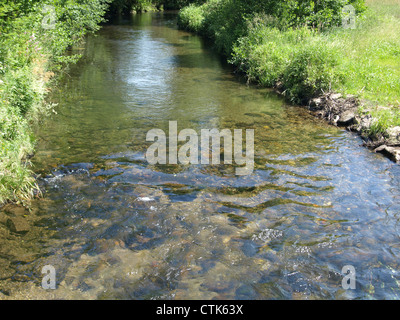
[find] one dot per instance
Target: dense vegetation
(302, 47)
(33, 40)
(127, 6)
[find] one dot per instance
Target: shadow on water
(114, 226)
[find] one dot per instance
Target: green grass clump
(16, 180)
(192, 17)
(311, 71)
(383, 120)
(300, 59)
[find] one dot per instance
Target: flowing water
(115, 227)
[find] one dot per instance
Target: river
(115, 227)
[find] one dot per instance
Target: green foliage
(316, 14)
(178, 4)
(192, 17)
(27, 53)
(298, 45)
(127, 6)
(19, 91)
(11, 9)
(383, 119)
(225, 21)
(299, 59)
(311, 72)
(266, 51)
(221, 20)
(142, 5)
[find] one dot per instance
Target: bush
(222, 15)
(311, 72)
(265, 52)
(298, 58)
(191, 17)
(126, 6)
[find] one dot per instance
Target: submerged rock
(18, 225)
(15, 210)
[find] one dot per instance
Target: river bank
(355, 115)
(34, 41)
(316, 66)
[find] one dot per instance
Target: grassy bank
(33, 42)
(305, 50)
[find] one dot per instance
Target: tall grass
(305, 61)
(28, 55)
(371, 54)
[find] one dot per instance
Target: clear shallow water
(115, 227)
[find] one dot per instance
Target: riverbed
(115, 227)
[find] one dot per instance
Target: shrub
(20, 93)
(126, 6)
(265, 52)
(299, 58)
(191, 18)
(178, 4)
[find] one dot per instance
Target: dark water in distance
(115, 227)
